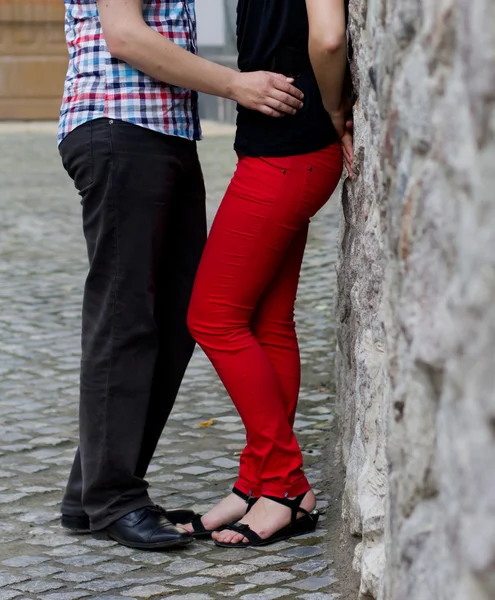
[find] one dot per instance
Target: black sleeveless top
(273, 35)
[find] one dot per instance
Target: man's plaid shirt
(98, 85)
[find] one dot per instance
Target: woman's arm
(328, 54)
(130, 39)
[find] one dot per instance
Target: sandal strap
(241, 495)
(251, 502)
(244, 530)
(197, 525)
(294, 505)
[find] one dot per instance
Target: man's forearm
(152, 53)
(130, 39)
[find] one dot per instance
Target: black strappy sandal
(298, 526)
(199, 530)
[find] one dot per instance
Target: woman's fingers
(350, 172)
(348, 153)
(347, 145)
(348, 166)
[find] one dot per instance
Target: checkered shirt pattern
(98, 85)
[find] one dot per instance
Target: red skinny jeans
(242, 309)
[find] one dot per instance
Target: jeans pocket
(281, 164)
(321, 179)
(77, 156)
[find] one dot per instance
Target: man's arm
(131, 40)
(328, 54)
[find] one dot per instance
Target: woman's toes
(223, 536)
(228, 537)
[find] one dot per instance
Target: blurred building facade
(33, 58)
(33, 55)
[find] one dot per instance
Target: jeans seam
(91, 160)
(283, 184)
(114, 288)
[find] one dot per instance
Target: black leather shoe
(80, 525)
(147, 529)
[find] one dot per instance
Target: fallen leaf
(206, 424)
(323, 425)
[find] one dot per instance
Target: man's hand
(269, 93)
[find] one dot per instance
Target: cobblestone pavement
(42, 268)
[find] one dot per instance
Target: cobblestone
(229, 570)
(42, 268)
(235, 590)
(9, 594)
(24, 561)
(314, 583)
(268, 594)
(147, 591)
(269, 577)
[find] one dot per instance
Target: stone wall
(416, 309)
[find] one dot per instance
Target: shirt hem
(194, 136)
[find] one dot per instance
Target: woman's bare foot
(229, 509)
(265, 518)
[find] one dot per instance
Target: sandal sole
(205, 535)
(277, 537)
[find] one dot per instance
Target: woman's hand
(339, 122)
(344, 128)
(347, 143)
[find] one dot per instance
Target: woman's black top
(273, 35)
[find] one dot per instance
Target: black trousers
(144, 219)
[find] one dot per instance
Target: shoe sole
(143, 546)
(73, 524)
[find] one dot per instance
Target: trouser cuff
(248, 488)
(284, 490)
(106, 520)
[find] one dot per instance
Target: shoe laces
(156, 508)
